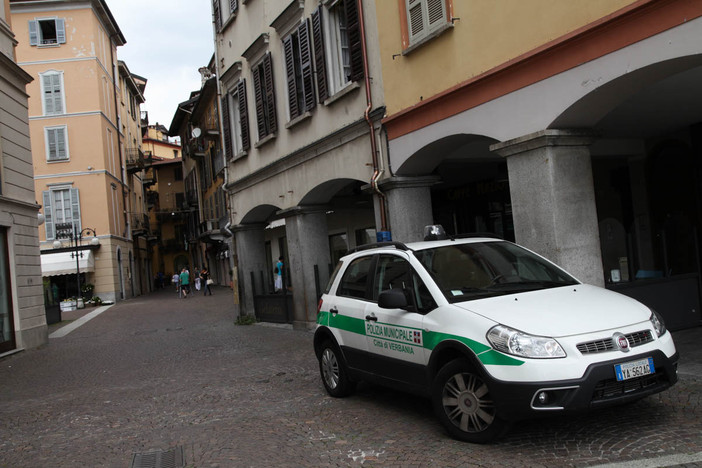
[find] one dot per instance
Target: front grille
(607, 344)
(611, 388)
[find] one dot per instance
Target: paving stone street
(158, 373)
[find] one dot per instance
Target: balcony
(149, 177)
(137, 160)
(197, 147)
(140, 224)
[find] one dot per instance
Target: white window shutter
(75, 209)
(436, 13)
(415, 18)
(33, 32)
(48, 218)
(60, 31)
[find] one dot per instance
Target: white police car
(490, 331)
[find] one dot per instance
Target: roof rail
(397, 245)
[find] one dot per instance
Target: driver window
(394, 272)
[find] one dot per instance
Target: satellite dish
(196, 132)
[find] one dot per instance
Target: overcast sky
(167, 41)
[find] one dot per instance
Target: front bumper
(598, 388)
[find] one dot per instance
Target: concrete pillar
(553, 199)
(409, 206)
(308, 245)
(251, 255)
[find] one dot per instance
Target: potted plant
(96, 301)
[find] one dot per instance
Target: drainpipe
(377, 173)
(119, 141)
(224, 149)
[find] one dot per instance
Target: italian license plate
(633, 369)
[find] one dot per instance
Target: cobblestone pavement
(157, 373)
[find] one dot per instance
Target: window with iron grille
(61, 205)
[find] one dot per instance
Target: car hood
(563, 311)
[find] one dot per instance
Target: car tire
(463, 403)
(333, 371)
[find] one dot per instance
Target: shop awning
(61, 263)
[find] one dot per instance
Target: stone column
(308, 245)
(251, 255)
(553, 199)
(409, 206)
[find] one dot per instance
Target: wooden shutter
(227, 128)
(303, 34)
(243, 115)
(258, 95)
(319, 57)
(53, 103)
(270, 93)
(48, 217)
(33, 32)
(415, 19)
(354, 33)
(51, 137)
(60, 31)
(289, 52)
(217, 16)
(61, 143)
(436, 13)
(233, 6)
(75, 209)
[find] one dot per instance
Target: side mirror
(392, 299)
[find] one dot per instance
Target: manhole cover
(172, 458)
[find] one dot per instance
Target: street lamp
(68, 231)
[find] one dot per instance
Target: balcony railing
(140, 224)
(137, 160)
(197, 147)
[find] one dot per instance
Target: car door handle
(372, 318)
(334, 310)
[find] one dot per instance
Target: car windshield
(484, 269)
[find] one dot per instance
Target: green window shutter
(48, 218)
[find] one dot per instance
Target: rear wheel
(333, 370)
(464, 404)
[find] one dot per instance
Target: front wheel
(332, 368)
(464, 405)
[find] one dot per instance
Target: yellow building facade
(573, 128)
(82, 125)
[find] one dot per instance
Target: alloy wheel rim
(330, 368)
(467, 403)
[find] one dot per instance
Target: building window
(50, 31)
(337, 46)
(298, 67)
(265, 97)
(61, 205)
(56, 143)
(424, 17)
(236, 121)
(222, 15)
(52, 92)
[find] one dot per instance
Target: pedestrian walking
(197, 280)
(278, 282)
(185, 282)
(205, 275)
(176, 281)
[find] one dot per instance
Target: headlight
(517, 343)
(657, 323)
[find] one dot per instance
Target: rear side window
(333, 277)
(354, 283)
